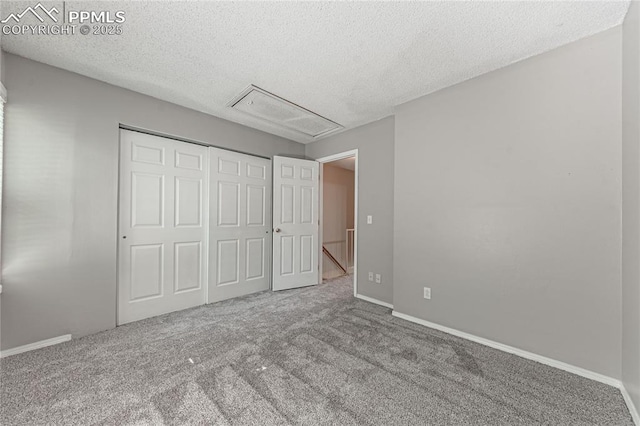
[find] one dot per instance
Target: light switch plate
(427, 293)
(378, 278)
(369, 220)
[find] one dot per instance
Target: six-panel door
(295, 222)
(240, 223)
(162, 226)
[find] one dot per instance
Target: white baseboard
(632, 408)
(35, 345)
(522, 353)
(534, 357)
(376, 301)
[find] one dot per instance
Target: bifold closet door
(162, 237)
(240, 224)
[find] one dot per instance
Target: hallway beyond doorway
(338, 216)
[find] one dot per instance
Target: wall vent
(266, 106)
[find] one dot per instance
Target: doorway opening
(338, 213)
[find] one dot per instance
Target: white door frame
(329, 159)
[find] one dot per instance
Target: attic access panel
(276, 110)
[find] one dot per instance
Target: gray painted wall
(60, 206)
(375, 197)
(507, 204)
(631, 203)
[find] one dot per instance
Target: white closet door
(295, 222)
(163, 241)
(240, 223)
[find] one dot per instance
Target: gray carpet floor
(313, 356)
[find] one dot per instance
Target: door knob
(277, 230)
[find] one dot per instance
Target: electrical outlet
(369, 220)
(378, 278)
(427, 293)
(370, 276)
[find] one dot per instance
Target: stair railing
(334, 260)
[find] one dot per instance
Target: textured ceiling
(350, 62)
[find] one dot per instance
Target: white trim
(525, 354)
(376, 301)
(630, 405)
(3, 93)
(36, 345)
(510, 349)
(328, 159)
(338, 156)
